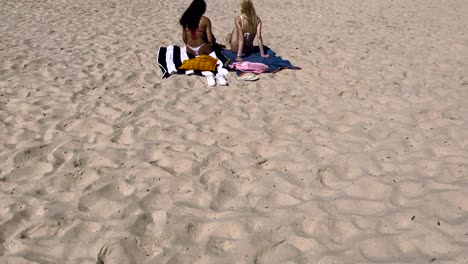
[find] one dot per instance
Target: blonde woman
(248, 26)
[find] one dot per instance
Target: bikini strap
(193, 33)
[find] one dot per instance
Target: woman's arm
(260, 40)
(184, 36)
(240, 38)
(209, 33)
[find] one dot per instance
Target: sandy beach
(359, 157)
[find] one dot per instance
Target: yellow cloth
(200, 63)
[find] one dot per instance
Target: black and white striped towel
(170, 58)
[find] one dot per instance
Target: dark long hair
(191, 17)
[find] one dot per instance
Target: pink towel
(247, 66)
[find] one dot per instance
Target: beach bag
(200, 63)
(248, 66)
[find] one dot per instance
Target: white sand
(360, 157)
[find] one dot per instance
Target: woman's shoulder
(205, 19)
(240, 17)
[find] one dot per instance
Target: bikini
(193, 33)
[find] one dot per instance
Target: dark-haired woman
(197, 36)
(196, 29)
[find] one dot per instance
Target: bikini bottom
(195, 50)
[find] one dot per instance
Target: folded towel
(170, 58)
(248, 66)
(275, 63)
(202, 63)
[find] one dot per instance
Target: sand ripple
(360, 157)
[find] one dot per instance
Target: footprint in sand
(125, 250)
(110, 200)
(226, 192)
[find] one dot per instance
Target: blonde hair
(248, 10)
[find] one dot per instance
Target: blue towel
(275, 63)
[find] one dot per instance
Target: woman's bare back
(198, 40)
(248, 37)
